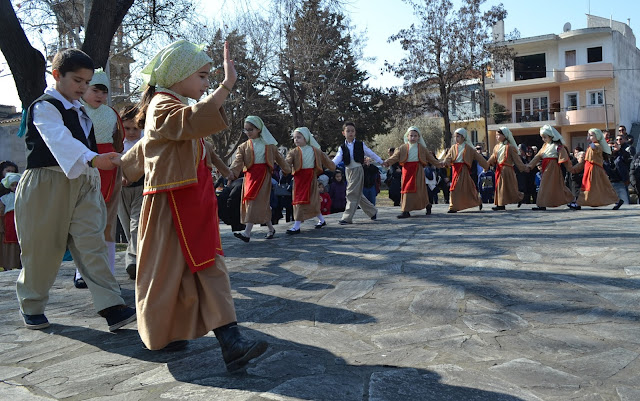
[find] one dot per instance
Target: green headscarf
(307, 136)
(603, 142)
(264, 132)
(174, 63)
(414, 128)
(465, 134)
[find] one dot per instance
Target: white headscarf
(507, 134)
(307, 136)
(264, 132)
(174, 63)
(603, 142)
(420, 139)
(549, 131)
(100, 78)
(10, 178)
(465, 134)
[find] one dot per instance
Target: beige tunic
(553, 192)
(322, 161)
(420, 199)
(601, 192)
(506, 191)
(465, 195)
(172, 303)
(258, 210)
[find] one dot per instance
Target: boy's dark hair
(348, 123)
(128, 113)
(5, 164)
(101, 87)
(71, 60)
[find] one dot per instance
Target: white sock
(78, 275)
(247, 230)
(111, 248)
(270, 226)
(296, 225)
(321, 218)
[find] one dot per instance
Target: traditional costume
(553, 192)
(307, 163)
(463, 193)
(10, 255)
(413, 158)
(504, 157)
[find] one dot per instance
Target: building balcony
(525, 84)
(584, 72)
(586, 115)
(512, 125)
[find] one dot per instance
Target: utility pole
(484, 107)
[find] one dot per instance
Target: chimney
(498, 31)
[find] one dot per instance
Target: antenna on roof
(566, 27)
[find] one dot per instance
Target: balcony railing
(584, 72)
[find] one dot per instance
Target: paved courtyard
(515, 305)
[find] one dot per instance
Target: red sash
(253, 179)
(10, 236)
(107, 177)
(586, 178)
(409, 177)
(546, 161)
(303, 179)
(456, 171)
(195, 216)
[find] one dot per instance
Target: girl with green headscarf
(413, 156)
(181, 273)
(596, 189)
(307, 162)
(256, 157)
(463, 192)
(504, 157)
(553, 192)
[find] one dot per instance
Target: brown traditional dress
(463, 191)
(256, 189)
(506, 190)
(304, 209)
(596, 189)
(553, 192)
(173, 302)
(413, 187)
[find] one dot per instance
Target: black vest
(38, 153)
(358, 152)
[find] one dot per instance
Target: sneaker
(241, 236)
(118, 316)
(35, 322)
(344, 222)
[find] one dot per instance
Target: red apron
(302, 179)
(546, 161)
(107, 177)
(586, 178)
(409, 177)
(456, 171)
(195, 216)
(10, 236)
(253, 179)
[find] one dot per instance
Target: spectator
(325, 199)
(575, 179)
(394, 180)
(634, 175)
(371, 181)
(10, 254)
(338, 192)
(627, 141)
(6, 167)
(486, 183)
(618, 169)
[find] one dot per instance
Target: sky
(379, 19)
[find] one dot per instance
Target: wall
(11, 147)
(627, 79)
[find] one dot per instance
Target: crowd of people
(150, 166)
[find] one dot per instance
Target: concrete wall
(627, 79)
(11, 147)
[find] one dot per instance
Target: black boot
(237, 351)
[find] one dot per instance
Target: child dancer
(553, 192)
(505, 155)
(463, 193)
(413, 156)
(256, 157)
(182, 285)
(109, 136)
(307, 162)
(10, 255)
(596, 189)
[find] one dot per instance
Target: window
(571, 101)
(594, 54)
(531, 108)
(570, 58)
(530, 67)
(474, 136)
(595, 98)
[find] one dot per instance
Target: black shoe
(617, 206)
(496, 208)
(118, 316)
(404, 215)
(539, 208)
(79, 282)
(291, 231)
(242, 237)
(452, 211)
(172, 346)
(270, 234)
(574, 206)
(237, 351)
(428, 209)
(374, 217)
(344, 222)
(320, 225)
(131, 271)
(480, 206)
(519, 203)
(35, 322)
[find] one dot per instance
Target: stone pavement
(516, 305)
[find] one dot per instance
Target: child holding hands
(504, 157)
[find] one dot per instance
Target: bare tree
(444, 48)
